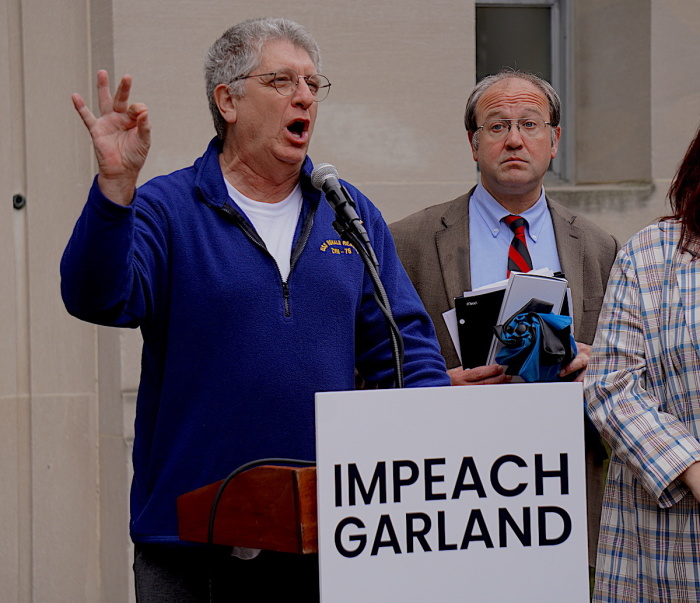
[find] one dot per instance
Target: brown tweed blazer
(433, 245)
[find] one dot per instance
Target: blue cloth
(232, 355)
(522, 351)
(490, 238)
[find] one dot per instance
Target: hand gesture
(121, 138)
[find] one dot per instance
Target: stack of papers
(476, 312)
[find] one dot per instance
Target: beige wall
(675, 85)
(15, 552)
(49, 414)
(613, 105)
(660, 49)
(401, 70)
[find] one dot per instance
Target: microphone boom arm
(382, 302)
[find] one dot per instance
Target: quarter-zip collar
(211, 188)
(209, 181)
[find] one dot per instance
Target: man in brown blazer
(512, 120)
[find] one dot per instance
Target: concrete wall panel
(675, 83)
(613, 104)
(65, 499)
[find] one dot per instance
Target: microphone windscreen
(321, 172)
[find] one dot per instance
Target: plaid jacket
(643, 393)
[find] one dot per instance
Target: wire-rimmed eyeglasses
(530, 127)
(286, 81)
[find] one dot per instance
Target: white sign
(452, 494)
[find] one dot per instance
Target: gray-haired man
(247, 301)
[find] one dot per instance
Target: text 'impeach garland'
(429, 532)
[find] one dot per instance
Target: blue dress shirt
(489, 237)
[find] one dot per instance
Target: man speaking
(248, 301)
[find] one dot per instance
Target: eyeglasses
(286, 81)
(529, 127)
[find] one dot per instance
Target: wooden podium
(267, 507)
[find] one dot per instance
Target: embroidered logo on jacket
(337, 247)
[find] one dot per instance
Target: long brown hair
(684, 193)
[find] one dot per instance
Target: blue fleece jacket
(232, 355)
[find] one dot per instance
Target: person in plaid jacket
(643, 393)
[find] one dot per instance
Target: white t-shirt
(274, 222)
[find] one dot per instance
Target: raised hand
(121, 137)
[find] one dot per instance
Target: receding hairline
(542, 86)
(538, 99)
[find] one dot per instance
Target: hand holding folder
(477, 312)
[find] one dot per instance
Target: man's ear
(474, 144)
(226, 103)
(556, 134)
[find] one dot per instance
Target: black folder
(476, 315)
(478, 312)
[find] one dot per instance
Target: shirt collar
(491, 212)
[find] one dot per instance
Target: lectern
(267, 507)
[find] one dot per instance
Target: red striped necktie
(518, 256)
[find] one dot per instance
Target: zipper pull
(285, 294)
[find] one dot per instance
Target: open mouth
(297, 128)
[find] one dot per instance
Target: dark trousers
(183, 575)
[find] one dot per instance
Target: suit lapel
(570, 249)
(452, 242)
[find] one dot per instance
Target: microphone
(325, 178)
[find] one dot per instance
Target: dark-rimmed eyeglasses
(530, 127)
(286, 81)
